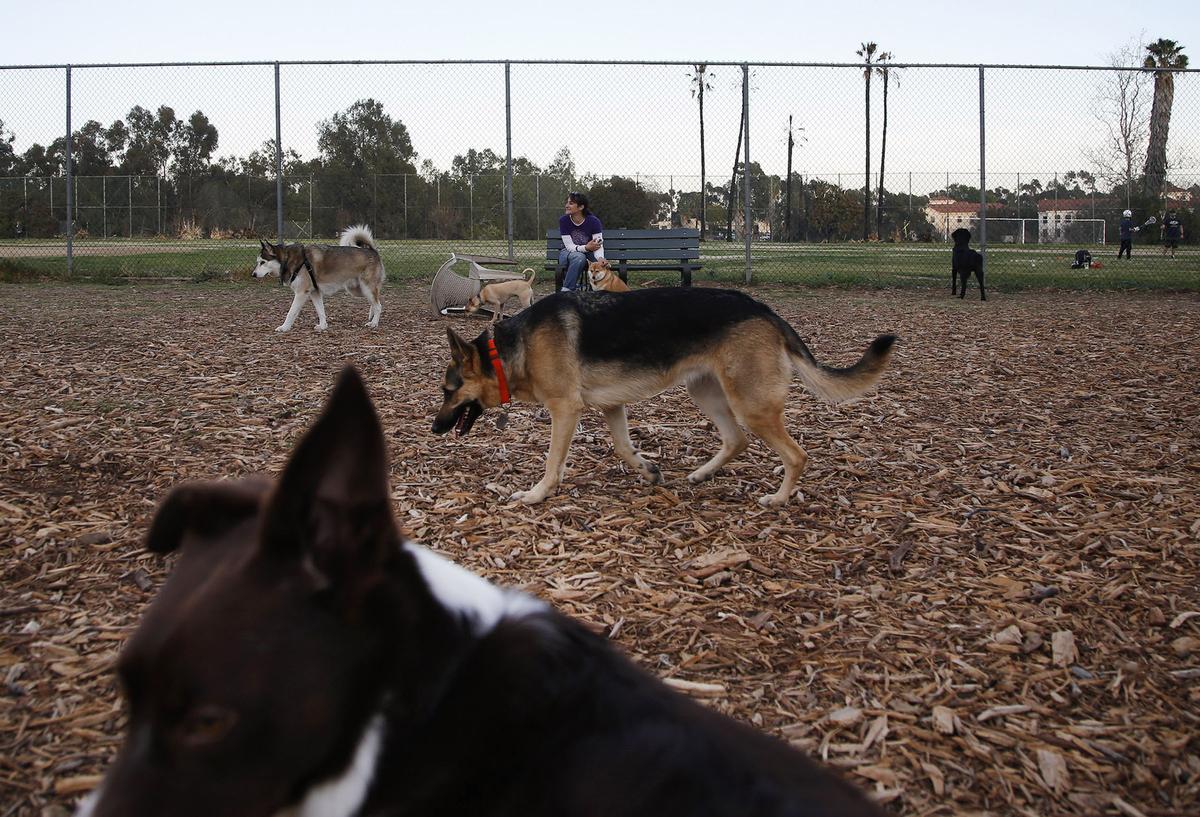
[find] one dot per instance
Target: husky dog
(604, 349)
(305, 659)
(316, 270)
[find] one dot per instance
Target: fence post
(158, 201)
(508, 177)
(70, 187)
(406, 205)
(130, 205)
(982, 178)
(746, 170)
(278, 166)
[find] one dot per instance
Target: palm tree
(867, 52)
(701, 82)
(887, 75)
(1163, 57)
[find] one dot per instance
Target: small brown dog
(497, 293)
(604, 277)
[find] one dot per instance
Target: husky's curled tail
(360, 236)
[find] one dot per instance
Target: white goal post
(1037, 231)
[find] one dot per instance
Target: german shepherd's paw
(652, 473)
(531, 497)
(773, 500)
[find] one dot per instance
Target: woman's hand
(591, 246)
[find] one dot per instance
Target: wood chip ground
(984, 601)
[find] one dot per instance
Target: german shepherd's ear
(206, 509)
(332, 508)
(461, 351)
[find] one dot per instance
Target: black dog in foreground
(304, 658)
(963, 262)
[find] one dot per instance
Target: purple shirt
(580, 234)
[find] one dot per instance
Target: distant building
(947, 215)
(1055, 217)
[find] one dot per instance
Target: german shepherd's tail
(833, 384)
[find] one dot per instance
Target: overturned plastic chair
(450, 291)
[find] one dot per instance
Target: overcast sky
(1012, 31)
(614, 119)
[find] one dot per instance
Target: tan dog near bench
(496, 294)
(603, 277)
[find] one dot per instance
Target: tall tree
(149, 137)
(363, 138)
(701, 80)
(8, 158)
(737, 162)
(1163, 56)
(1121, 104)
(887, 75)
(867, 52)
(192, 145)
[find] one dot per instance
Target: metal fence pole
(130, 205)
(406, 205)
(158, 201)
(749, 228)
(70, 187)
(103, 207)
(982, 178)
(278, 166)
(508, 176)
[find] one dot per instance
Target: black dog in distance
(964, 261)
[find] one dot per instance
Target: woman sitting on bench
(582, 240)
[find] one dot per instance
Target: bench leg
(685, 277)
(623, 273)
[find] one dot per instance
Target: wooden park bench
(674, 249)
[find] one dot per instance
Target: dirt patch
(979, 604)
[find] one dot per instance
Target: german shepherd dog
(315, 270)
(605, 349)
(964, 261)
(305, 659)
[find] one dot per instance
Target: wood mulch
(985, 601)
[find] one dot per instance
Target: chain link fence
(792, 173)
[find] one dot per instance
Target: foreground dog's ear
(460, 350)
(269, 249)
(331, 508)
(205, 508)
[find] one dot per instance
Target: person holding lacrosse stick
(1127, 231)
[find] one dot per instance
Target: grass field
(852, 264)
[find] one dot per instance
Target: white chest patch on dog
(459, 590)
(343, 796)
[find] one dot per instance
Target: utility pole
(787, 207)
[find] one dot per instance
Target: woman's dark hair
(581, 200)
